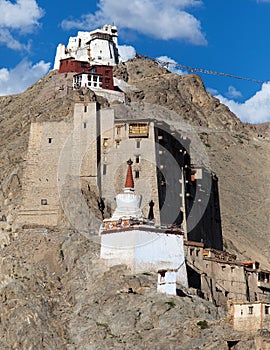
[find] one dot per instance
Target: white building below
(250, 316)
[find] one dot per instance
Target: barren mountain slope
(56, 294)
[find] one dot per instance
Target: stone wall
(58, 152)
(40, 191)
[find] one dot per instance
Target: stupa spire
(129, 185)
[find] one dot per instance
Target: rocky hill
(56, 293)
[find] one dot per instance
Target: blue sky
(229, 36)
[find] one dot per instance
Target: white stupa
(128, 204)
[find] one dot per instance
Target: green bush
(203, 324)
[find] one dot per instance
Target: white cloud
(21, 16)
(4, 74)
(160, 19)
(126, 52)
(254, 110)
(17, 80)
(7, 39)
(233, 93)
(170, 64)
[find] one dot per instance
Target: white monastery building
(99, 47)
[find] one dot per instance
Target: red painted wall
(71, 65)
(107, 76)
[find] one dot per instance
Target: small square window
(50, 140)
(266, 309)
(44, 202)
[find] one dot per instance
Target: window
(138, 144)
(138, 130)
(107, 72)
(137, 159)
(118, 129)
(44, 202)
(50, 140)
(137, 174)
(85, 109)
(84, 125)
(104, 169)
(191, 251)
(266, 309)
(250, 310)
(241, 312)
(197, 252)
